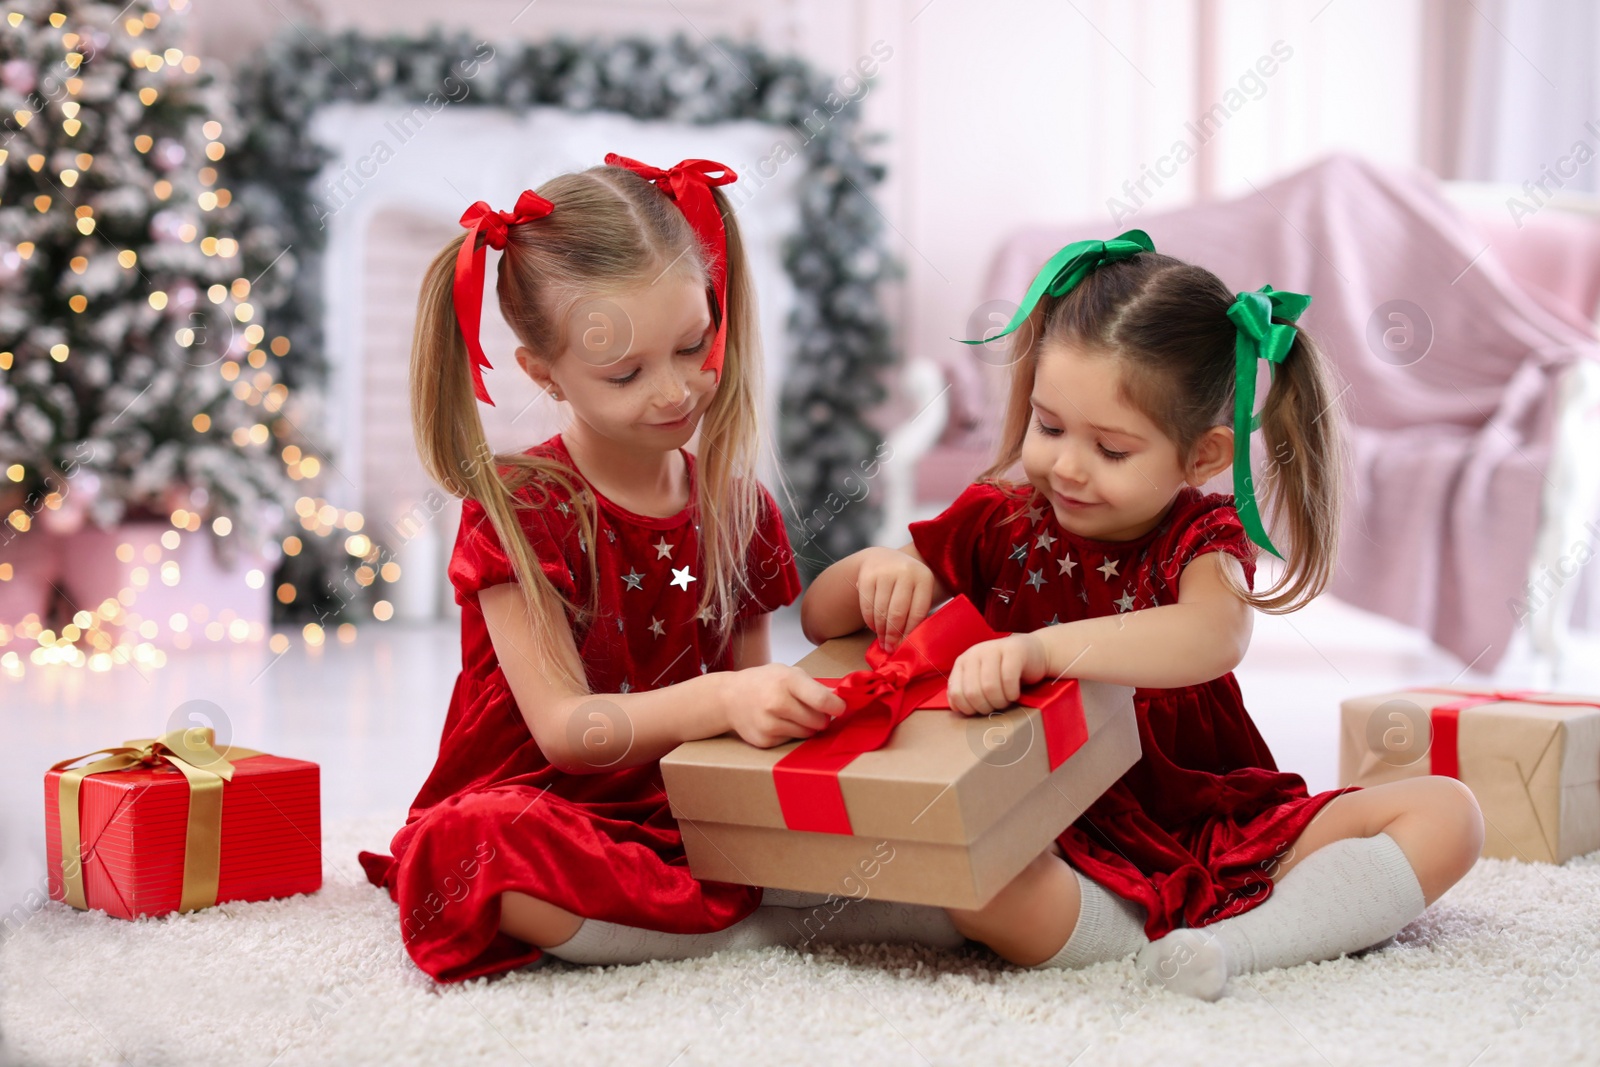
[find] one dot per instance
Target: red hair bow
(480, 218)
(689, 186)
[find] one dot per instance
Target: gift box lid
(163, 775)
(1557, 742)
(943, 777)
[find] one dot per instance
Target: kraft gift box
(947, 812)
(1531, 759)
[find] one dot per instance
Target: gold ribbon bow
(193, 751)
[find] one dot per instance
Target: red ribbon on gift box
(911, 678)
(1444, 753)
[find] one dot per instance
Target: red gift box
(176, 823)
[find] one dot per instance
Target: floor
(370, 712)
(1500, 972)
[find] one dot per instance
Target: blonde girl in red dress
(1133, 384)
(614, 586)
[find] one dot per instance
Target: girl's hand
(775, 702)
(896, 593)
(990, 675)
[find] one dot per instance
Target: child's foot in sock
(1346, 896)
(1187, 961)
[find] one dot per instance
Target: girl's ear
(1213, 454)
(534, 368)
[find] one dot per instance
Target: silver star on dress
(564, 508)
(611, 535)
(1108, 569)
(1046, 539)
(682, 575)
(1066, 563)
(662, 548)
(619, 624)
(1124, 602)
(704, 615)
(1020, 552)
(634, 579)
(1035, 513)
(1055, 620)
(624, 687)
(1035, 579)
(656, 627)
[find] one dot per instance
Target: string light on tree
(140, 379)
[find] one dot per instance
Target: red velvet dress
(495, 815)
(1192, 831)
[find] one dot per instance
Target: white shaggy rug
(1503, 970)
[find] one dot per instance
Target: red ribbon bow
(480, 218)
(1444, 752)
(912, 677)
(688, 184)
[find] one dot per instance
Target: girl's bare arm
(587, 732)
(1202, 636)
(764, 703)
(752, 642)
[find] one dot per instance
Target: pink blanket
(1450, 450)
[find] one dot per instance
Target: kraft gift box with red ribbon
(178, 822)
(1532, 760)
(902, 798)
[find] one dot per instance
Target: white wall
(1017, 113)
(1006, 113)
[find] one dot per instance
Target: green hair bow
(1067, 268)
(1258, 338)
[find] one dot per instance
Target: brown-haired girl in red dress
(1133, 382)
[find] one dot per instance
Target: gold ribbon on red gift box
(1444, 752)
(193, 752)
(912, 677)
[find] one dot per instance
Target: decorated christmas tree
(138, 377)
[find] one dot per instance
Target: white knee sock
(599, 942)
(830, 920)
(867, 921)
(1346, 896)
(1108, 928)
